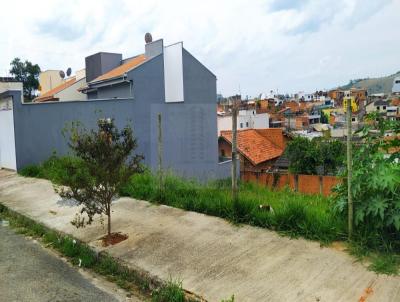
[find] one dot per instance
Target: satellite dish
(62, 74)
(69, 71)
(148, 38)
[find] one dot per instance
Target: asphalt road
(29, 272)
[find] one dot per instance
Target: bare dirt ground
(212, 257)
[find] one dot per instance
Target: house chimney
(153, 49)
(100, 63)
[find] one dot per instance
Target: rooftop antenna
(148, 38)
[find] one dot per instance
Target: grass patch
(295, 214)
(170, 292)
(387, 264)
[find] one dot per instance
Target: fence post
(321, 180)
(160, 154)
(349, 170)
(234, 156)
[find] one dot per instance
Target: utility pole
(160, 152)
(349, 170)
(234, 152)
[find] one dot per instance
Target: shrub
(170, 292)
(375, 189)
(32, 171)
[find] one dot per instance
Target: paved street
(28, 272)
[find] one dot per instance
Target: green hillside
(373, 85)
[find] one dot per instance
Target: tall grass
(293, 214)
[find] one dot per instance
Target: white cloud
(259, 45)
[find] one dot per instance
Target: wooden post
(160, 152)
(349, 170)
(234, 153)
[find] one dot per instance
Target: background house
(68, 89)
(246, 119)
(258, 148)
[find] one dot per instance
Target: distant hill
(373, 85)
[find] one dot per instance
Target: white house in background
(247, 119)
(396, 86)
(9, 83)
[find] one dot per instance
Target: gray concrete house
(164, 80)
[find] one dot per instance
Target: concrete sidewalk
(213, 258)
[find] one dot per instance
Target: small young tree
(104, 162)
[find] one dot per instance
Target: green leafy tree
(376, 182)
(332, 155)
(307, 156)
(324, 118)
(28, 74)
(103, 164)
(303, 156)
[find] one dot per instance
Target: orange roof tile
(122, 69)
(254, 146)
(49, 95)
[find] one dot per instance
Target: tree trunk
(109, 221)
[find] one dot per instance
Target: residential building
(165, 81)
(377, 106)
(49, 79)
(393, 113)
(246, 119)
(352, 100)
(69, 89)
(9, 83)
(396, 86)
(258, 149)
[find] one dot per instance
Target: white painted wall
(71, 93)
(173, 73)
(246, 120)
(7, 140)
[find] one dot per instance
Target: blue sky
(258, 45)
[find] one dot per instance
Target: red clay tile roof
(122, 69)
(49, 95)
(257, 148)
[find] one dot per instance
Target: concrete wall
(189, 128)
(122, 90)
(10, 86)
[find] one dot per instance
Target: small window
(247, 124)
(353, 119)
(241, 125)
(384, 107)
(377, 107)
(222, 153)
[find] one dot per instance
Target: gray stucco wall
(189, 128)
(122, 90)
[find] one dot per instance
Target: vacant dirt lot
(211, 256)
